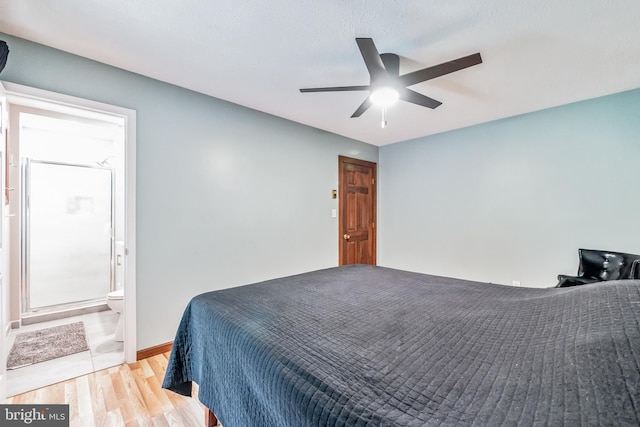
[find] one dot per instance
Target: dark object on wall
(4, 53)
(599, 266)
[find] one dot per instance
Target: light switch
(333, 213)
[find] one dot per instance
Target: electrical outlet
(515, 282)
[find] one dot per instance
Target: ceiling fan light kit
(384, 96)
(386, 86)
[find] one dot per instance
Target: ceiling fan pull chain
(384, 117)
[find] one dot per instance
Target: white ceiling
(537, 53)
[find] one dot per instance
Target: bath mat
(46, 344)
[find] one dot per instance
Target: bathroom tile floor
(103, 353)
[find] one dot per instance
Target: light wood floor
(126, 395)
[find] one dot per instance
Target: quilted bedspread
(363, 345)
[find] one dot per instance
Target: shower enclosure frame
(25, 231)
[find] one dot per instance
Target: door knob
(346, 237)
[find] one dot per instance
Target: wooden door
(357, 211)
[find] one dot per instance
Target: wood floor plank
(151, 402)
(55, 393)
(158, 365)
(124, 395)
(144, 365)
(152, 382)
(118, 385)
(97, 399)
(109, 393)
(160, 421)
(114, 418)
(138, 405)
(156, 387)
(125, 404)
(71, 398)
(192, 413)
(95, 382)
(85, 406)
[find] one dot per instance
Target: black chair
(599, 266)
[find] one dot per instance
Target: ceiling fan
(386, 85)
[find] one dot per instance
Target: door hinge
(373, 181)
(373, 225)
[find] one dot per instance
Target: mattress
(364, 345)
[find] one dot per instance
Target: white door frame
(4, 251)
(24, 95)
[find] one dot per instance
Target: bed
(364, 345)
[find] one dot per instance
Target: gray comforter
(362, 345)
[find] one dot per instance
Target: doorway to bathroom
(71, 209)
(70, 213)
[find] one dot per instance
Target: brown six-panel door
(357, 211)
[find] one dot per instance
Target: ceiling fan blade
(335, 89)
(440, 70)
(418, 98)
(372, 59)
(391, 63)
(362, 108)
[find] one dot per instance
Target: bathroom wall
(225, 195)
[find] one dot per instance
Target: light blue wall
(514, 199)
(225, 195)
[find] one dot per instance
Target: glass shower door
(68, 244)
